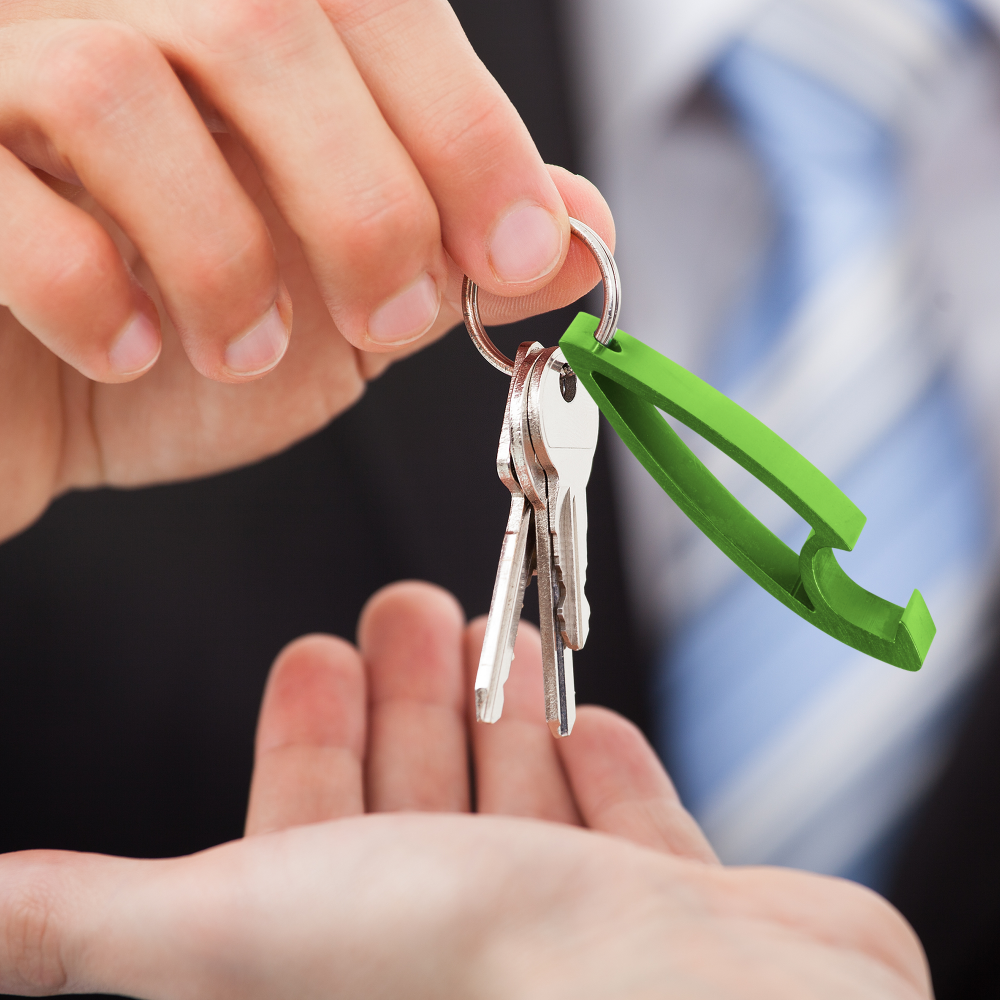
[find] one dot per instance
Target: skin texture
(181, 179)
(363, 875)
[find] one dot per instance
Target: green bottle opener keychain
(631, 383)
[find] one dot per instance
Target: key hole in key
(567, 383)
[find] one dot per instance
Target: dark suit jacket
(137, 628)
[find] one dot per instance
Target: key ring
(604, 333)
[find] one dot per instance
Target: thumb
(53, 906)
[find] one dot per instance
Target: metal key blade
(570, 551)
(563, 423)
(517, 560)
(557, 660)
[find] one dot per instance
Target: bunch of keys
(547, 445)
(546, 450)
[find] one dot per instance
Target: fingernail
(260, 348)
(137, 346)
(407, 315)
(525, 245)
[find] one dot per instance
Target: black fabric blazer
(137, 628)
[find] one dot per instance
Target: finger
(283, 80)
(621, 788)
(502, 219)
(578, 274)
(410, 635)
(63, 279)
(97, 102)
(310, 737)
(175, 424)
(518, 771)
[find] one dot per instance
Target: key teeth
(573, 611)
(481, 695)
(563, 590)
(572, 641)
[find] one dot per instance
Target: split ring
(604, 333)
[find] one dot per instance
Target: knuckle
(226, 27)
(350, 15)
(88, 71)
(86, 264)
(387, 218)
(470, 132)
(219, 270)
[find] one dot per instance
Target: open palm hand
(363, 874)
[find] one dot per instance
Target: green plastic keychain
(631, 383)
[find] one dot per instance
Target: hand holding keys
(546, 450)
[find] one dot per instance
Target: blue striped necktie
(788, 747)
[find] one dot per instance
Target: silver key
(517, 561)
(553, 446)
(564, 426)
